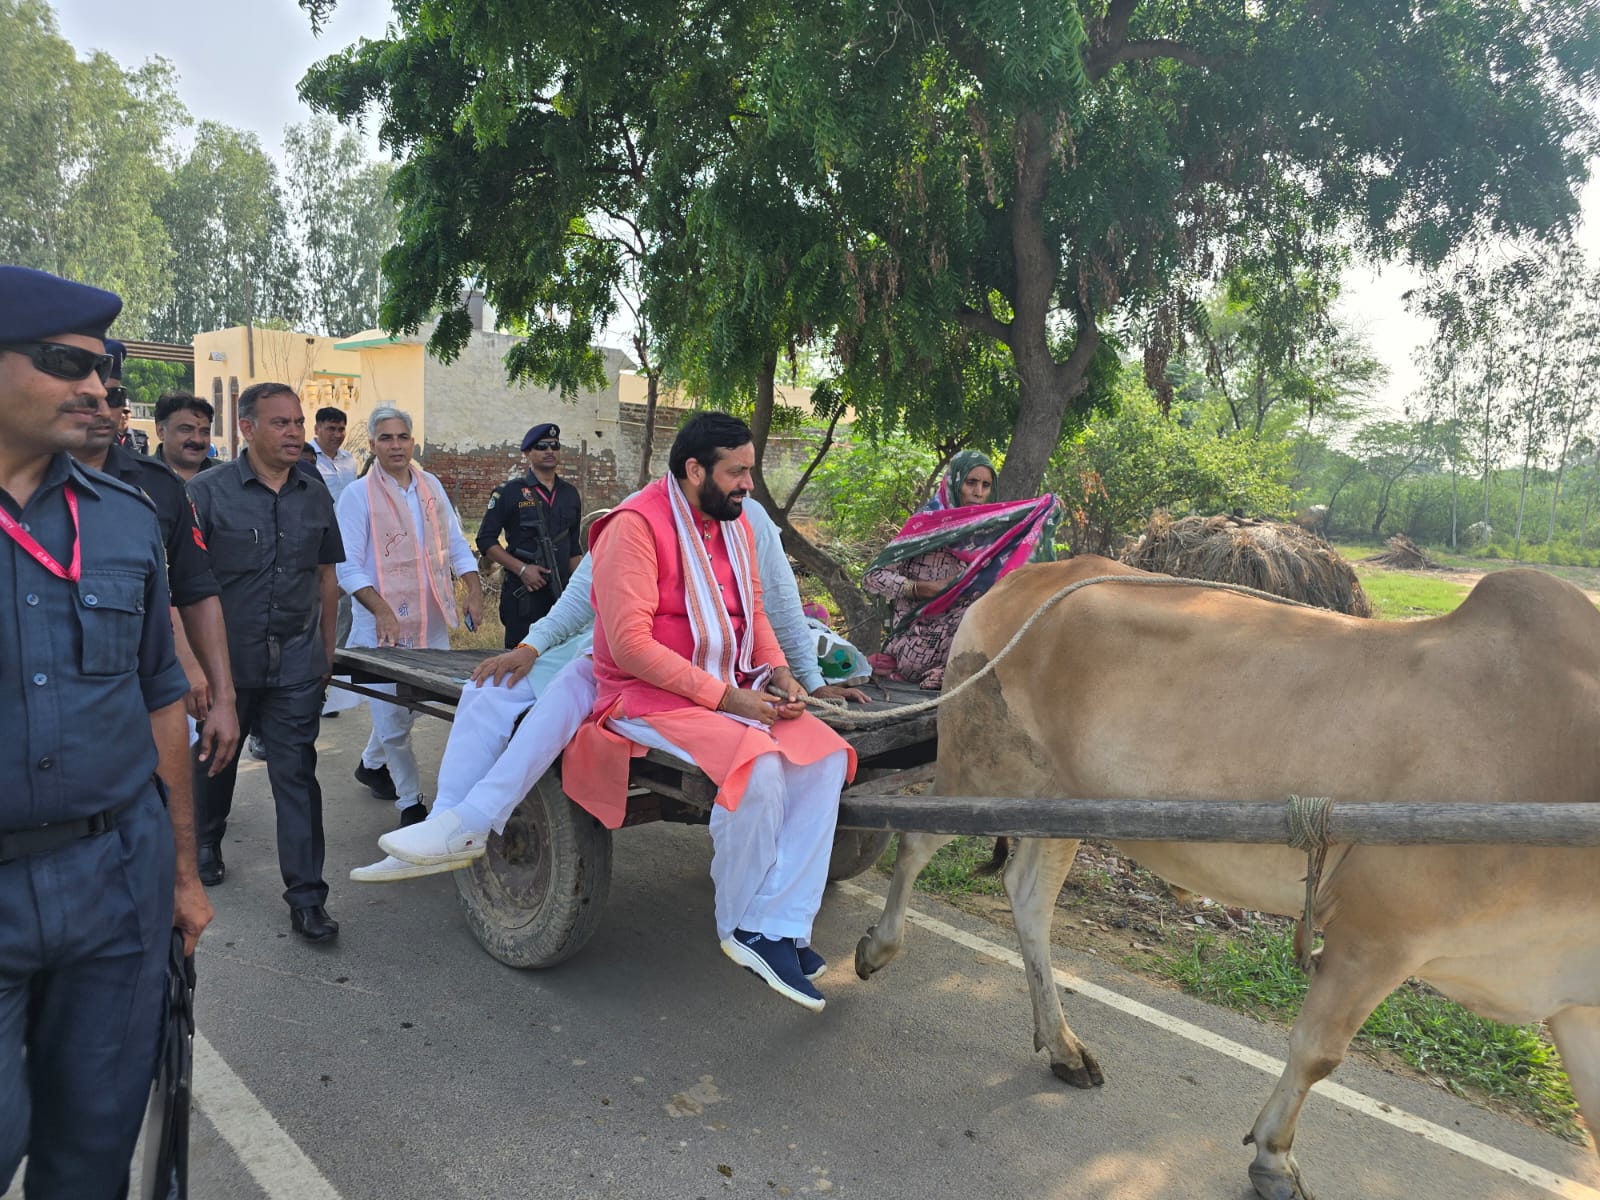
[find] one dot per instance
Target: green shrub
(1490, 551)
(1557, 557)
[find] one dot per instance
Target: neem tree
(971, 198)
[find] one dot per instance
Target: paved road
(405, 1063)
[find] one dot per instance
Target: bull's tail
(997, 861)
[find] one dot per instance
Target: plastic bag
(839, 661)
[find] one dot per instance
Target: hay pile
(1405, 555)
(1282, 559)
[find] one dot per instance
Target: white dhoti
(769, 861)
(487, 769)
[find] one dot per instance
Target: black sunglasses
(547, 445)
(116, 397)
(64, 361)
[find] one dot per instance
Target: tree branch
(827, 444)
(986, 323)
(1097, 62)
(1114, 29)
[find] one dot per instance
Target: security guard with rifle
(539, 514)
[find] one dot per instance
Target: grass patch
(1397, 596)
(1513, 1064)
(953, 871)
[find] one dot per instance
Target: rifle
(547, 552)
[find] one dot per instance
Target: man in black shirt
(183, 422)
(539, 514)
(200, 637)
(274, 540)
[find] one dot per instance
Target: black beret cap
(36, 306)
(539, 432)
(119, 355)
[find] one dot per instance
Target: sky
(239, 63)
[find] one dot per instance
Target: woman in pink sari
(952, 550)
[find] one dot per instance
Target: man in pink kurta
(686, 662)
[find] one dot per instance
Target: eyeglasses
(116, 397)
(547, 445)
(64, 361)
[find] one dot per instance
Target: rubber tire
(536, 896)
(855, 851)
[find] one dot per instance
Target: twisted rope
(838, 711)
(1308, 831)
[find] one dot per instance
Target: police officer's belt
(22, 842)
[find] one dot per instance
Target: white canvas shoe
(438, 841)
(392, 870)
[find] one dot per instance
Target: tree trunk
(862, 626)
(1047, 387)
(652, 389)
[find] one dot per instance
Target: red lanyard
(23, 538)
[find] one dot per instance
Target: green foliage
(959, 203)
(1127, 464)
(82, 161)
(346, 221)
(146, 380)
(233, 257)
(1510, 1063)
(867, 491)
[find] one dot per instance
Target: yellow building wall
(227, 361)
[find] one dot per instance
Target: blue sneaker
(775, 961)
(812, 965)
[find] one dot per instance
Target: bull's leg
(882, 943)
(1577, 1032)
(1033, 881)
(1355, 974)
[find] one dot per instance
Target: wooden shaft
(1224, 820)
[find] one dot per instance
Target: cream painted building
(227, 361)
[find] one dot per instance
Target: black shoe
(258, 748)
(378, 781)
(413, 814)
(210, 861)
(312, 922)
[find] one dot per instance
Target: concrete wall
(476, 421)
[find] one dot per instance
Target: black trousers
(287, 718)
(517, 613)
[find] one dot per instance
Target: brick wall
(469, 476)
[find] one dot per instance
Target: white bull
(1185, 693)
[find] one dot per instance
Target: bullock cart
(536, 896)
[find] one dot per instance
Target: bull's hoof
(1273, 1184)
(1087, 1076)
(865, 964)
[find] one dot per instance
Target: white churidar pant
(769, 859)
(390, 743)
(486, 769)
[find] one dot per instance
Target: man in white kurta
(398, 567)
(487, 769)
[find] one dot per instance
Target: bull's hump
(1532, 602)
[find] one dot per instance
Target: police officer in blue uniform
(539, 514)
(96, 827)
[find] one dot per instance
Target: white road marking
(279, 1167)
(1499, 1160)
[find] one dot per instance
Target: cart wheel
(855, 850)
(535, 897)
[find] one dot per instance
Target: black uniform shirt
(82, 665)
(189, 576)
(519, 508)
(265, 548)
